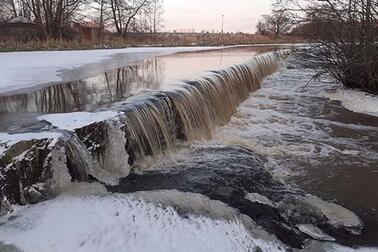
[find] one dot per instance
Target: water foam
(123, 223)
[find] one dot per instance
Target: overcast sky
(240, 15)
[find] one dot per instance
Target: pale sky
(239, 15)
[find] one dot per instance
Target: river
(264, 171)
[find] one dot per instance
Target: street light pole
(222, 23)
(222, 30)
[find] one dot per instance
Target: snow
(7, 140)
(122, 223)
(337, 216)
(258, 198)
(87, 218)
(20, 70)
(77, 120)
(355, 100)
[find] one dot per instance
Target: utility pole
(222, 23)
(222, 38)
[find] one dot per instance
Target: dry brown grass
(133, 40)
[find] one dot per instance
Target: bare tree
(102, 14)
(276, 24)
(124, 12)
(8, 9)
(157, 14)
(51, 15)
(150, 18)
(262, 28)
(345, 33)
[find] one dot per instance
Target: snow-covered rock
(32, 171)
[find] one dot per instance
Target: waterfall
(153, 123)
(147, 125)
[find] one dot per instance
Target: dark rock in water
(290, 66)
(25, 169)
(5, 206)
(8, 248)
(32, 171)
(237, 177)
(333, 218)
(231, 173)
(105, 140)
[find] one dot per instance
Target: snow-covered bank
(21, 70)
(355, 100)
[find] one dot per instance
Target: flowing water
(258, 145)
(312, 142)
(153, 73)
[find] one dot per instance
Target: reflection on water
(90, 93)
(117, 85)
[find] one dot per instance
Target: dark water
(349, 178)
(313, 143)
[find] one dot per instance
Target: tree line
(53, 17)
(344, 36)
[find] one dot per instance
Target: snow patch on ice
(357, 101)
(43, 67)
(77, 120)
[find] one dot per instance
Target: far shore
(146, 40)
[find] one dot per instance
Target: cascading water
(153, 123)
(146, 125)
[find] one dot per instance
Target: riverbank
(145, 40)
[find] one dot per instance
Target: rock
(309, 209)
(26, 171)
(315, 232)
(8, 248)
(225, 174)
(105, 141)
(32, 171)
(257, 198)
(5, 207)
(237, 176)
(36, 193)
(258, 249)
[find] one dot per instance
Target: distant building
(19, 29)
(85, 30)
